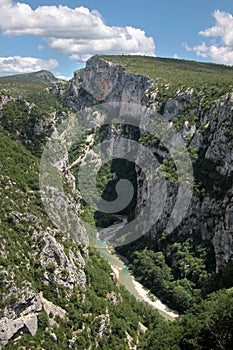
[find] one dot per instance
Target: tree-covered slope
(176, 72)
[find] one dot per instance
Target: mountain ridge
(42, 77)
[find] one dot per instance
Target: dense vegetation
(176, 269)
(177, 73)
(206, 326)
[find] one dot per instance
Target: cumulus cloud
(76, 31)
(222, 31)
(18, 64)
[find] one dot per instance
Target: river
(126, 278)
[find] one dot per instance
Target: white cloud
(61, 76)
(18, 64)
(73, 31)
(223, 31)
(40, 47)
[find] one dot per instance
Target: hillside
(176, 72)
(56, 290)
(41, 77)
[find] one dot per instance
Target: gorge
(56, 290)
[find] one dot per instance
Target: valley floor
(137, 289)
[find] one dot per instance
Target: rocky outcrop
(22, 317)
(52, 310)
(45, 76)
(174, 105)
(64, 270)
(103, 81)
(12, 328)
(4, 99)
(104, 327)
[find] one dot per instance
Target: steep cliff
(210, 142)
(102, 82)
(200, 108)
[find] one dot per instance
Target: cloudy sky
(61, 35)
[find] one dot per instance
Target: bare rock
(53, 255)
(175, 105)
(11, 327)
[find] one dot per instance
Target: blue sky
(61, 35)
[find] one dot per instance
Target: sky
(61, 35)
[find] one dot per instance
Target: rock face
(22, 318)
(45, 76)
(9, 328)
(50, 307)
(65, 271)
(210, 212)
(102, 81)
(174, 105)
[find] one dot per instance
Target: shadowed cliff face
(210, 213)
(209, 136)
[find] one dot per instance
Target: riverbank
(155, 304)
(125, 277)
(143, 293)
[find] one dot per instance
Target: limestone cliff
(102, 82)
(210, 212)
(206, 126)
